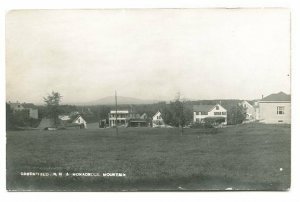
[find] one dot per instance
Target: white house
(275, 108)
(73, 120)
(157, 120)
(250, 110)
(201, 112)
(78, 120)
(121, 117)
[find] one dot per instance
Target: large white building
(275, 108)
(200, 112)
(121, 117)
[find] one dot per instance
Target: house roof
(143, 115)
(74, 118)
(158, 112)
(15, 105)
(29, 105)
(251, 102)
(24, 105)
(281, 96)
(203, 108)
(64, 117)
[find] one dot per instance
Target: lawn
(243, 157)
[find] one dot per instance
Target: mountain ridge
(110, 100)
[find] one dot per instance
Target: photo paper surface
(148, 100)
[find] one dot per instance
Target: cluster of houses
(73, 120)
(129, 118)
(275, 108)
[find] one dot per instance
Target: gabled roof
(203, 108)
(74, 118)
(251, 102)
(158, 112)
(281, 96)
(143, 115)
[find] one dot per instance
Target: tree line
(176, 113)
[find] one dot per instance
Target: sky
(147, 53)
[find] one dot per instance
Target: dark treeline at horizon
(94, 113)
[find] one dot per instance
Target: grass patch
(244, 157)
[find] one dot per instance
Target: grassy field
(244, 157)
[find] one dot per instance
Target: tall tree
(52, 103)
(236, 115)
(175, 113)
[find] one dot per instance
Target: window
(280, 110)
(217, 113)
(204, 113)
(217, 107)
(223, 113)
(197, 113)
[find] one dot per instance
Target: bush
(214, 120)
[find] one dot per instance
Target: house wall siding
(249, 109)
(268, 112)
(33, 113)
(211, 114)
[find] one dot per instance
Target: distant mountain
(110, 100)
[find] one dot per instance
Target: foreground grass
(245, 157)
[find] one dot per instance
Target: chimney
(262, 96)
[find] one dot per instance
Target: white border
(151, 196)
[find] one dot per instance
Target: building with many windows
(200, 112)
(121, 117)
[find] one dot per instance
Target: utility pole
(116, 120)
(180, 113)
(182, 117)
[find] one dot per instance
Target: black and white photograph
(189, 99)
